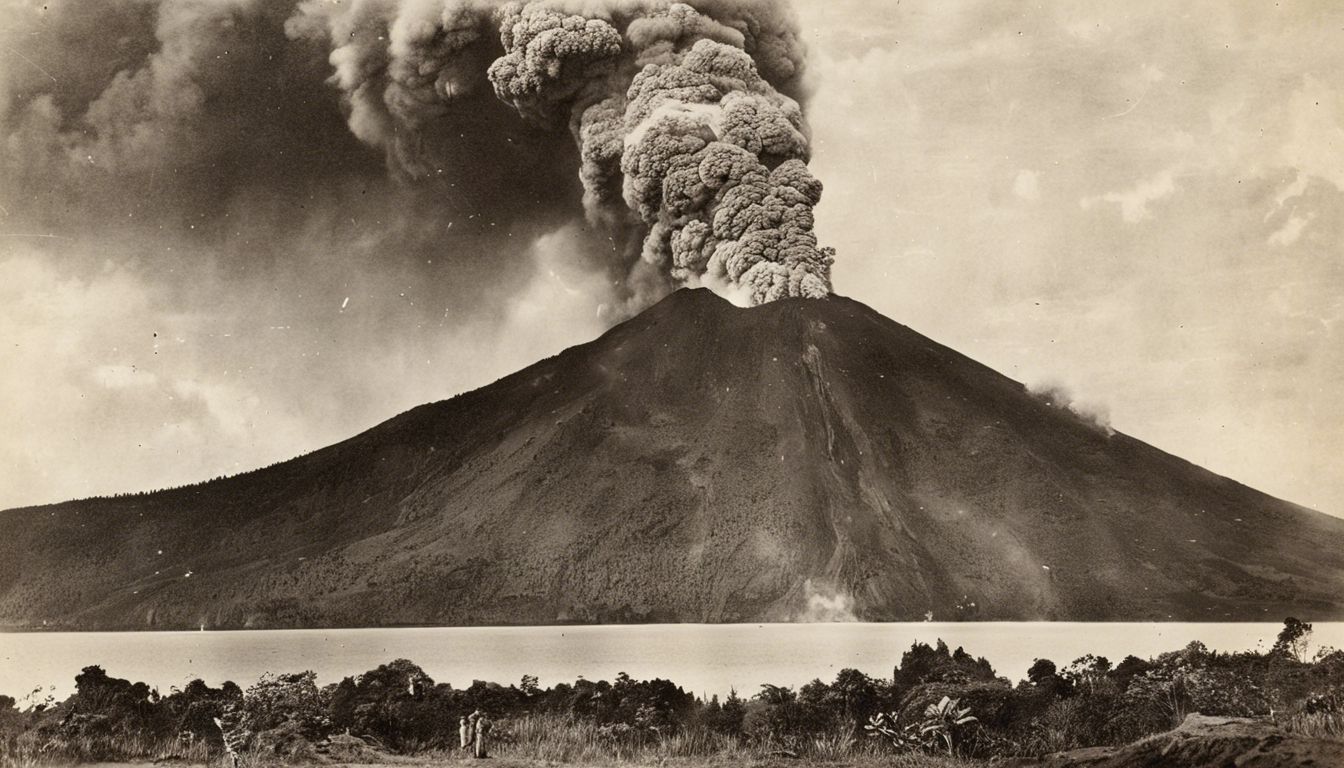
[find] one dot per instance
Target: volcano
(699, 462)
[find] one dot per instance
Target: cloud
(206, 130)
(1290, 191)
(1291, 231)
(81, 351)
(1134, 202)
(562, 302)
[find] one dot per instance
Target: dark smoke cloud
(688, 139)
(675, 128)
(201, 100)
(156, 126)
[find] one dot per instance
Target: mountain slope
(699, 462)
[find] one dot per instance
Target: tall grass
(838, 744)
(1323, 725)
(558, 739)
(564, 739)
(66, 750)
(547, 738)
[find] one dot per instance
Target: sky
(206, 268)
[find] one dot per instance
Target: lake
(704, 659)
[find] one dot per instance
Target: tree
(1041, 670)
(924, 664)
(776, 694)
(856, 692)
(1044, 675)
(1293, 639)
(1087, 672)
(529, 686)
(732, 714)
(290, 702)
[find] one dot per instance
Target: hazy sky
(203, 271)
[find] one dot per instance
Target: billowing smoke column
(685, 129)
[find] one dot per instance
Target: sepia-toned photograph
(671, 384)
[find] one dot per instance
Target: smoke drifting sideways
(191, 136)
(823, 601)
(1093, 415)
(691, 142)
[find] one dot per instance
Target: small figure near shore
(482, 736)
(465, 734)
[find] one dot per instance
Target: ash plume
(691, 142)
(825, 602)
(1092, 414)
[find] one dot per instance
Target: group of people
(475, 731)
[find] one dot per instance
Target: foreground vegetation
(940, 706)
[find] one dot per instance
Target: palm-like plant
(937, 729)
(884, 725)
(941, 721)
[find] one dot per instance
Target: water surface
(703, 658)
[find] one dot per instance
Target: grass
(527, 742)
(744, 760)
(1322, 725)
(560, 739)
(753, 760)
(557, 739)
(23, 753)
(567, 740)
(541, 741)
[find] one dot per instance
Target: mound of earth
(1206, 742)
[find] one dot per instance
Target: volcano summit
(699, 462)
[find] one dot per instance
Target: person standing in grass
(464, 732)
(482, 735)
(473, 722)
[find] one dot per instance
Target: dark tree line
(397, 707)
